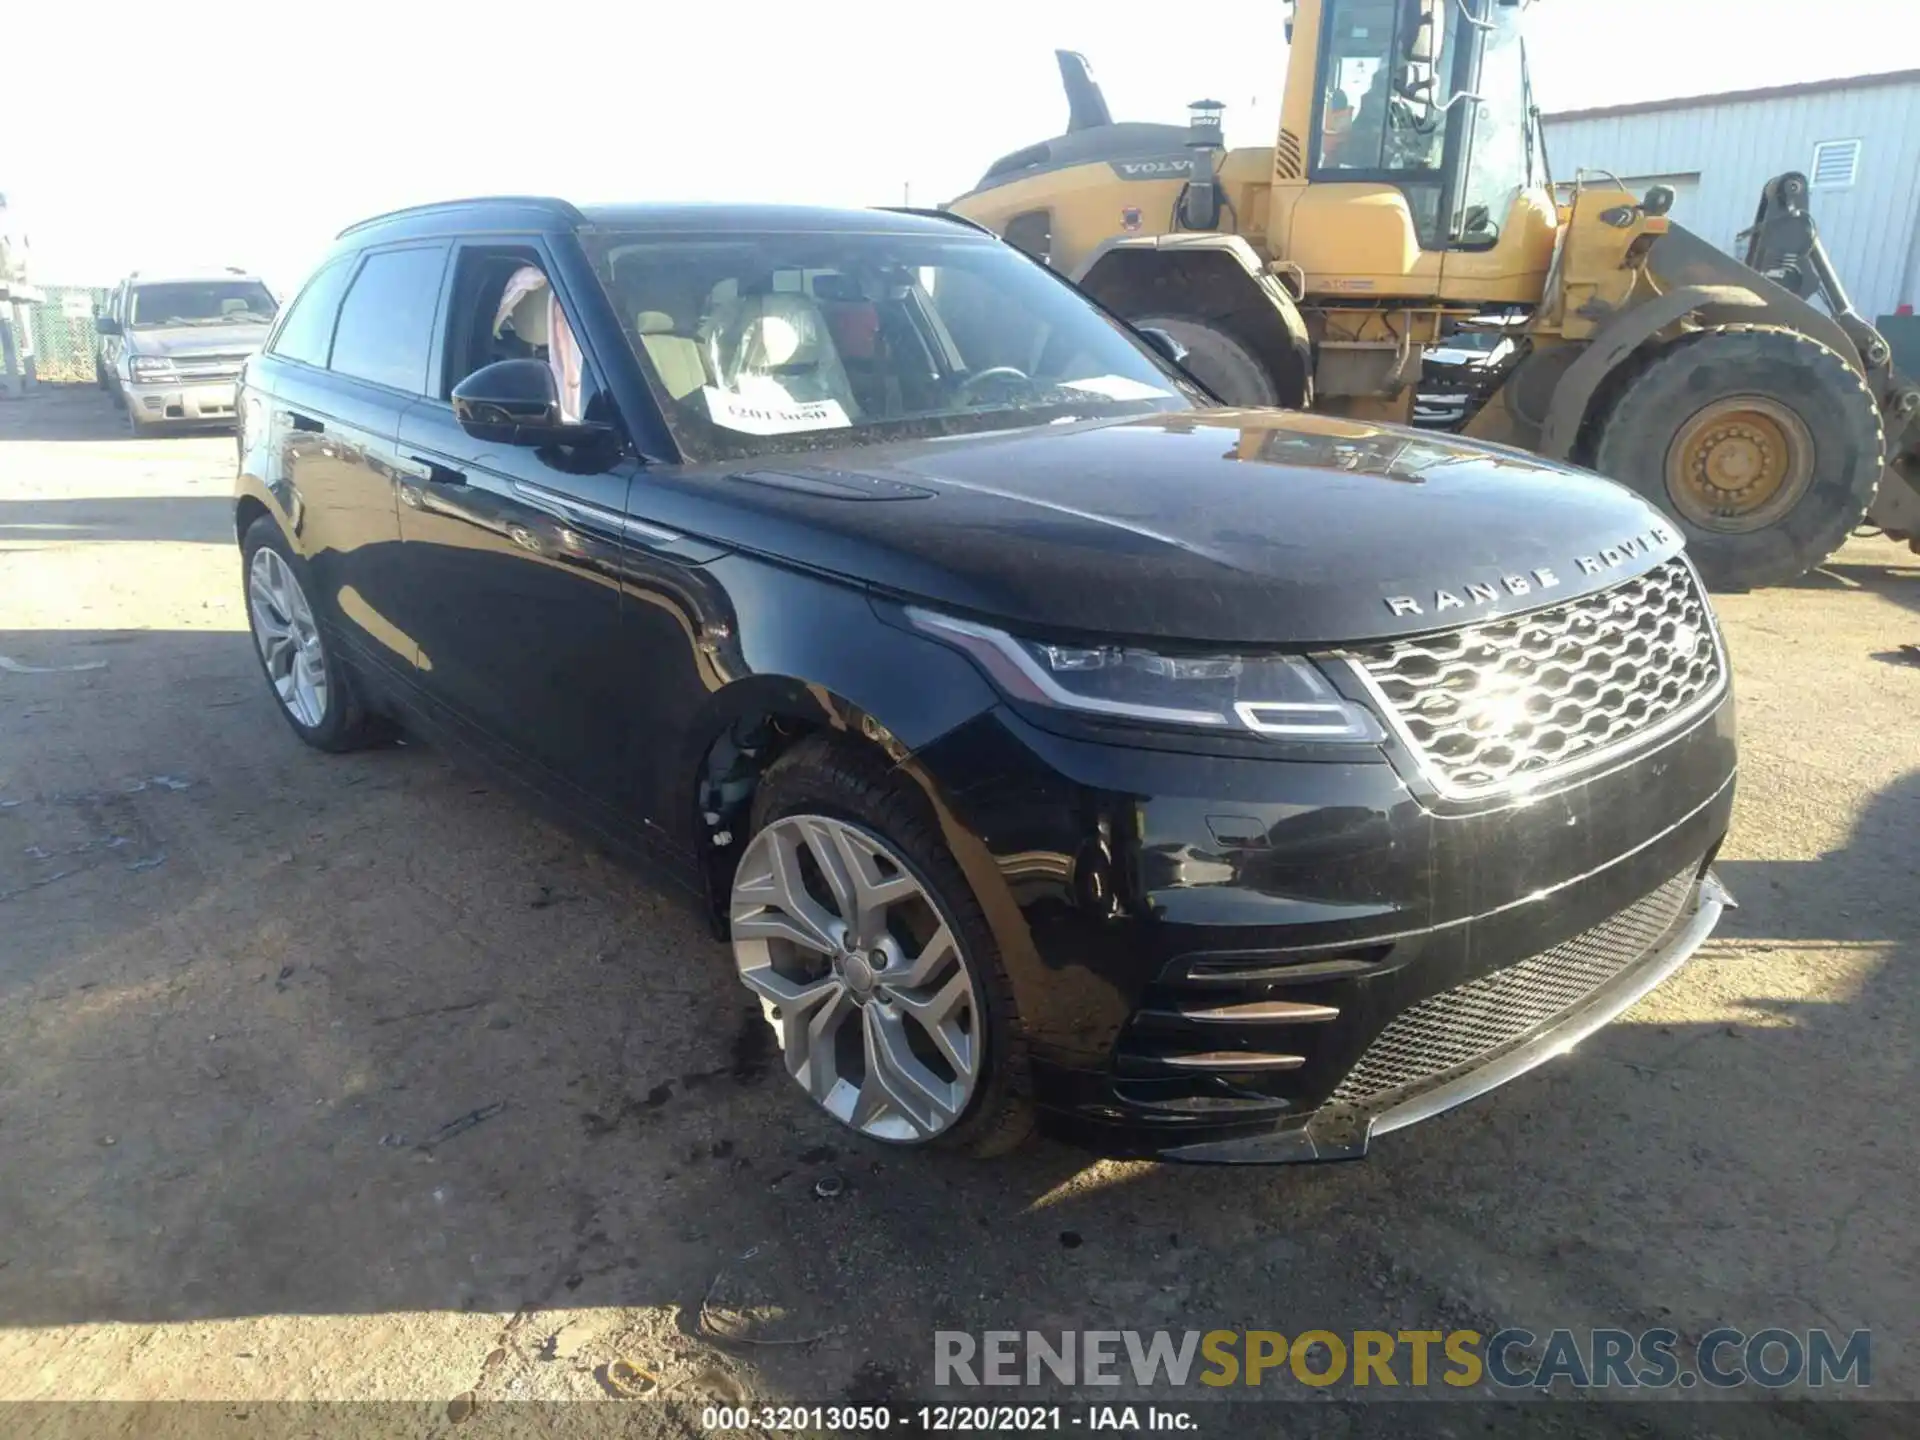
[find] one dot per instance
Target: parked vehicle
(1406, 188)
(171, 347)
(1457, 373)
(1219, 784)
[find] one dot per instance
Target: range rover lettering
(1043, 739)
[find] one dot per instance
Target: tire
(1805, 404)
(340, 721)
(1219, 361)
(99, 372)
(827, 785)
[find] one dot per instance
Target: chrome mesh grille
(1490, 706)
(1466, 1024)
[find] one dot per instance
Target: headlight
(151, 367)
(1283, 696)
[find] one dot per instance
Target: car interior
(505, 309)
(874, 344)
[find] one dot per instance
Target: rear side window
(386, 323)
(309, 326)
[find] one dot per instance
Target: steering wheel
(1004, 374)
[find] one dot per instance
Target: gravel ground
(349, 1078)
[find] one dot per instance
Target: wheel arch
(1217, 279)
(1621, 345)
(246, 510)
(747, 725)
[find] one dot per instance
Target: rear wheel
(1219, 361)
(872, 960)
(1763, 444)
(315, 690)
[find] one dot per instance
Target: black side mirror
(1164, 344)
(106, 325)
(516, 402)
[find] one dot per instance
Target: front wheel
(872, 960)
(1763, 444)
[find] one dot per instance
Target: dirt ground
(347, 1077)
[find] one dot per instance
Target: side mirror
(1168, 348)
(514, 402)
(106, 325)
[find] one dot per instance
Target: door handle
(438, 474)
(304, 422)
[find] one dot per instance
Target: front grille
(1468, 1023)
(207, 368)
(1496, 705)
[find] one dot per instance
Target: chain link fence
(63, 340)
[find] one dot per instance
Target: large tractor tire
(1218, 361)
(1763, 445)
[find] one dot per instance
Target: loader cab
(1429, 96)
(1423, 162)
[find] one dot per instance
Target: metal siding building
(1717, 151)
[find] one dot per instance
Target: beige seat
(676, 358)
(533, 310)
(777, 348)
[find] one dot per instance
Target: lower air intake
(1459, 1027)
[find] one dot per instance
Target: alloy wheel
(289, 641)
(859, 975)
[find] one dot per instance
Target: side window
(1032, 231)
(386, 322)
(309, 326)
(504, 308)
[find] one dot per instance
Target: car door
(338, 427)
(513, 557)
(329, 440)
(112, 345)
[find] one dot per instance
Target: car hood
(1239, 526)
(181, 341)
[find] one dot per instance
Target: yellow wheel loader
(1407, 200)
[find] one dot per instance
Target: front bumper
(1205, 950)
(186, 401)
(1342, 1131)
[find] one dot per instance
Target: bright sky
(248, 132)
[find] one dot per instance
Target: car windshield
(769, 343)
(201, 302)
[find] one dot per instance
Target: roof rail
(940, 214)
(561, 209)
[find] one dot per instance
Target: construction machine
(1407, 199)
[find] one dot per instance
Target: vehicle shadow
(63, 412)
(192, 518)
(1897, 578)
(79, 412)
(292, 1034)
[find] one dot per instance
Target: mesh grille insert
(1467, 1023)
(1489, 706)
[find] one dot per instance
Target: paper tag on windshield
(1116, 387)
(773, 417)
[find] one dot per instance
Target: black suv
(1218, 784)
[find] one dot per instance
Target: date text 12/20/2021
(945, 1419)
